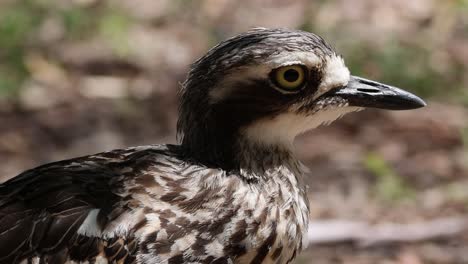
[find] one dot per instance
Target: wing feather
(42, 209)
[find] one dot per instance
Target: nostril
(367, 90)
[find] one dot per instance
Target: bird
(231, 191)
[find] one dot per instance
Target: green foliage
(17, 23)
(107, 22)
(456, 192)
(462, 4)
(20, 21)
(113, 25)
(388, 186)
(404, 66)
(78, 21)
(464, 137)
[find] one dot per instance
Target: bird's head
(264, 87)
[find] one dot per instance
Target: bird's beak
(366, 93)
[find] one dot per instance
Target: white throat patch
(282, 129)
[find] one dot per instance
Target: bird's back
(57, 212)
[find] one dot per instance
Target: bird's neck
(257, 157)
(239, 153)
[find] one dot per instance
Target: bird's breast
(281, 208)
(210, 215)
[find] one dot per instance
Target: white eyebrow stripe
(308, 59)
(335, 74)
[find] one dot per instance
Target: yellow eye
(290, 78)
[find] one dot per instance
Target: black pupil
(291, 75)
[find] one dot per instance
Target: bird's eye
(290, 78)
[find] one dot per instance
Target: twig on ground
(366, 234)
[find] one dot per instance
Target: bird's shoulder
(105, 165)
(44, 211)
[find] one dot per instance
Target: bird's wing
(41, 210)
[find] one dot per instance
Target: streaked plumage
(230, 193)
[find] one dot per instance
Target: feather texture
(146, 205)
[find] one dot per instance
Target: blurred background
(84, 76)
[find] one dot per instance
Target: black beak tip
(413, 102)
(403, 100)
(420, 103)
